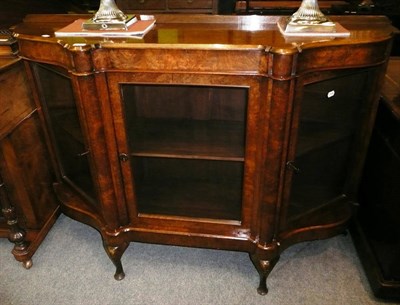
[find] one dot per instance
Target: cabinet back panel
(188, 102)
(190, 188)
(191, 121)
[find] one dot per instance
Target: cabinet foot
(27, 264)
(262, 287)
(115, 253)
(119, 274)
(264, 267)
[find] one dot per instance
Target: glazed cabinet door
(185, 147)
(332, 119)
(63, 123)
(72, 115)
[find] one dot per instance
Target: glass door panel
(189, 187)
(60, 108)
(187, 148)
(330, 113)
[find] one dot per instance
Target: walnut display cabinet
(211, 131)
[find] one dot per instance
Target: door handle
(123, 157)
(290, 165)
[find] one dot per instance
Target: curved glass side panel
(330, 114)
(60, 110)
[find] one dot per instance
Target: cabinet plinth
(206, 133)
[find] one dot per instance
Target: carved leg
(17, 234)
(115, 253)
(264, 267)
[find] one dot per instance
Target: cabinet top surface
(210, 31)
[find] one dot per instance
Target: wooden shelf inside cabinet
(312, 220)
(213, 140)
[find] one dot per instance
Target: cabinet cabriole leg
(115, 253)
(264, 268)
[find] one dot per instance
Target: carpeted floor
(71, 268)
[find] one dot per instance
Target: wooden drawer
(142, 4)
(190, 4)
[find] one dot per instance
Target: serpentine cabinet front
(208, 134)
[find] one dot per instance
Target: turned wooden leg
(16, 234)
(264, 267)
(115, 253)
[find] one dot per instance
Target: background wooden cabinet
(168, 6)
(29, 206)
(376, 230)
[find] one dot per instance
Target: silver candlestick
(108, 17)
(308, 18)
